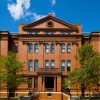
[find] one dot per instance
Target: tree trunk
(11, 93)
(82, 90)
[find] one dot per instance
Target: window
(68, 48)
(35, 65)
(29, 32)
(36, 47)
(46, 63)
(52, 48)
(68, 33)
(63, 33)
(68, 65)
(30, 47)
(52, 33)
(35, 82)
(62, 48)
(52, 63)
(30, 65)
(63, 65)
(46, 48)
(46, 33)
(36, 33)
(29, 82)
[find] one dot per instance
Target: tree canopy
(10, 71)
(89, 71)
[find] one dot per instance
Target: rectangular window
(46, 33)
(46, 63)
(29, 32)
(52, 48)
(52, 64)
(46, 48)
(68, 65)
(68, 48)
(52, 33)
(35, 65)
(29, 82)
(62, 48)
(36, 48)
(30, 65)
(68, 33)
(35, 82)
(63, 65)
(30, 47)
(63, 33)
(36, 33)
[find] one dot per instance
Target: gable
(44, 24)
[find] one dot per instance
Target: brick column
(39, 83)
(59, 84)
(43, 87)
(55, 84)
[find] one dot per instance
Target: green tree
(89, 72)
(10, 72)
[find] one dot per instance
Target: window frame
(51, 64)
(63, 67)
(63, 48)
(30, 33)
(46, 48)
(35, 82)
(45, 63)
(36, 65)
(30, 47)
(36, 48)
(30, 65)
(52, 48)
(68, 48)
(68, 67)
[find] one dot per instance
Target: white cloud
(20, 9)
(53, 2)
(37, 17)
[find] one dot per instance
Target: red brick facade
(46, 65)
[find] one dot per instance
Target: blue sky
(84, 12)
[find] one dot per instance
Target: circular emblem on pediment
(50, 24)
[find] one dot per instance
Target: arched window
(30, 47)
(46, 48)
(68, 47)
(36, 48)
(62, 48)
(52, 48)
(68, 65)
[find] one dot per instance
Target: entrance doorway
(49, 83)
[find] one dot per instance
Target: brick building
(48, 48)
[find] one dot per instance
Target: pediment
(50, 22)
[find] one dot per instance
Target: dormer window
(29, 32)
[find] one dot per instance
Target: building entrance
(49, 82)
